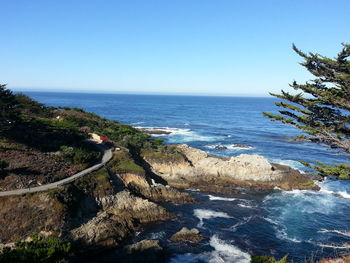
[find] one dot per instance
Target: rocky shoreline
(106, 209)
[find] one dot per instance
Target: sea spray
(226, 252)
(219, 198)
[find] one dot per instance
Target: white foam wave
(172, 131)
(282, 234)
(138, 123)
(271, 221)
(281, 231)
(343, 246)
(287, 207)
(179, 135)
(207, 214)
(157, 235)
(225, 252)
(342, 194)
(229, 146)
(193, 190)
(218, 198)
(246, 206)
(240, 223)
(339, 232)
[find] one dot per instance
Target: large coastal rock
(154, 191)
(121, 216)
(216, 174)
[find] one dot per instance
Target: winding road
(107, 155)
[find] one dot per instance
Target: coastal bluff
(199, 170)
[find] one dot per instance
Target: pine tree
(8, 113)
(322, 109)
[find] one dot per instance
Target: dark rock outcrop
(154, 131)
(144, 251)
(156, 192)
(185, 234)
(220, 147)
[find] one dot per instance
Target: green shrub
(30, 106)
(41, 250)
(342, 170)
(79, 155)
(3, 166)
(266, 259)
(123, 163)
(163, 154)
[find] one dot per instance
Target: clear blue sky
(240, 47)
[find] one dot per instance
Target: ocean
(298, 223)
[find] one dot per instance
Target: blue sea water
(297, 223)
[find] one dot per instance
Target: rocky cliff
(99, 210)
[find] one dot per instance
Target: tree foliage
(3, 166)
(322, 107)
(8, 113)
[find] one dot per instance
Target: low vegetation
(32, 131)
(85, 154)
(39, 249)
(267, 259)
(122, 162)
(163, 154)
(97, 183)
(341, 171)
(3, 165)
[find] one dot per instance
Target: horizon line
(143, 93)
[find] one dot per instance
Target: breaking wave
(233, 146)
(219, 198)
(179, 135)
(224, 252)
(207, 214)
(287, 209)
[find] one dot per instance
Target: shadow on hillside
(149, 173)
(23, 171)
(44, 135)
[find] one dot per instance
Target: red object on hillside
(104, 139)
